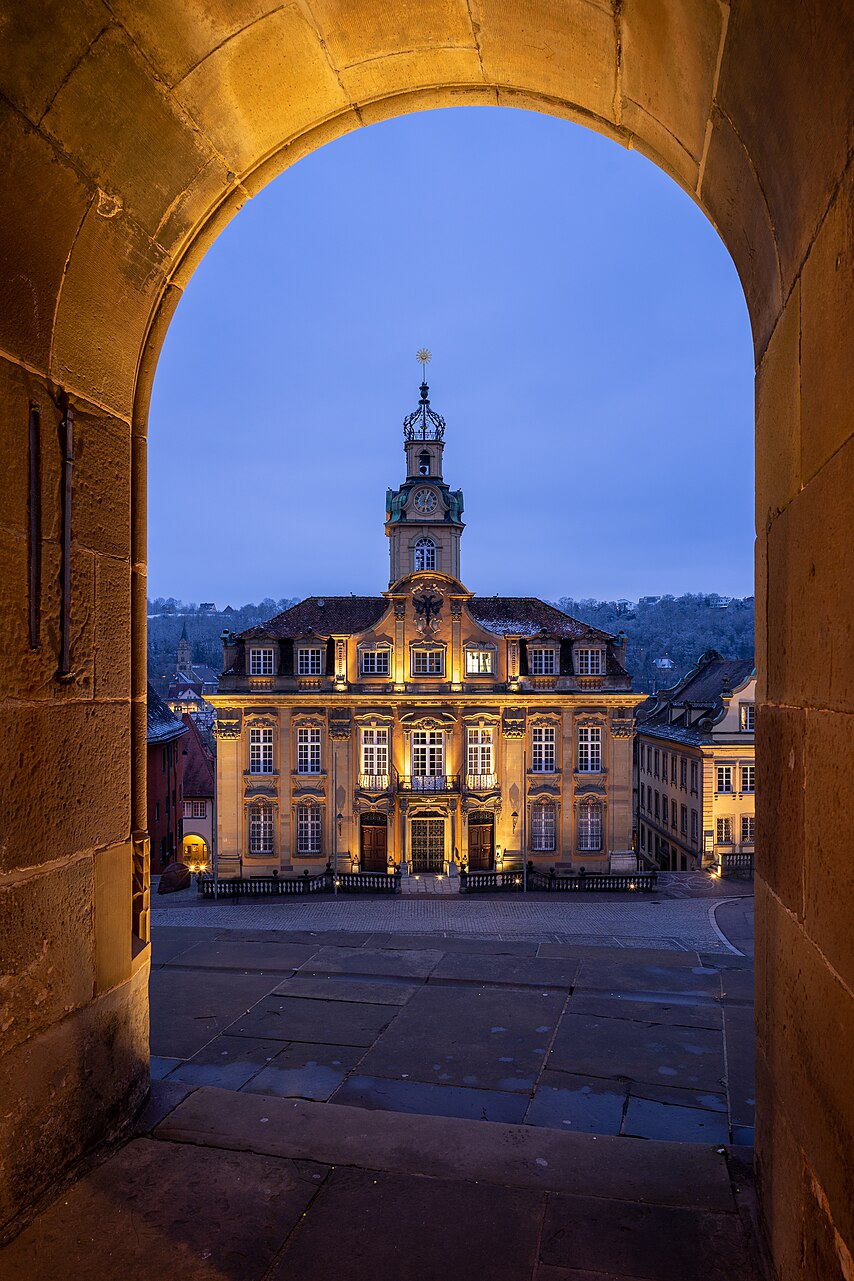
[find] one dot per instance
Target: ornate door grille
(428, 845)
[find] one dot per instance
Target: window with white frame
(723, 831)
(590, 662)
(308, 750)
(428, 753)
(260, 751)
(747, 713)
(724, 773)
(748, 778)
(748, 829)
(428, 662)
(543, 825)
(261, 661)
(543, 752)
(590, 750)
(424, 555)
(309, 661)
(195, 809)
(375, 662)
(309, 829)
(375, 751)
(261, 829)
(479, 662)
(542, 662)
(479, 751)
(590, 827)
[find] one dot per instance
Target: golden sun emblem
(423, 355)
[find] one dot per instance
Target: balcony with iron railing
(427, 782)
(374, 782)
(481, 782)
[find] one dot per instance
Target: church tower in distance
(424, 515)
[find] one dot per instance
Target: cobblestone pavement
(678, 925)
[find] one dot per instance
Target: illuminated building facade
(695, 766)
(425, 728)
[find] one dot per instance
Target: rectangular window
(656, 761)
(724, 831)
(748, 829)
(683, 774)
(589, 662)
(308, 751)
(673, 768)
(157, 811)
(543, 758)
(695, 827)
(261, 829)
(664, 766)
(748, 778)
(724, 778)
(375, 662)
(478, 662)
(673, 815)
(309, 824)
(375, 752)
(590, 751)
(542, 662)
(657, 805)
(428, 753)
(683, 820)
(309, 662)
(643, 837)
(543, 826)
(260, 751)
(195, 809)
(479, 752)
(694, 777)
(428, 662)
(261, 662)
(590, 827)
(747, 713)
(649, 800)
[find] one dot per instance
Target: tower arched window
(424, 463)
(425, 554)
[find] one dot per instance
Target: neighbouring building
(191, 684)
(165, 777)
(425, 727)
(198, 797)
(695, 768)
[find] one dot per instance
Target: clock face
(424, 500)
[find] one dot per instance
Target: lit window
(309, 825)
(724, 831)
(748, 829)
(590, 750)
(542, 662)
(747, 713)
(543, 759)
(748, 778)
(724, 778)
(260, 751)
(375, 752)
(375, 662)
(261, 662)
(478, 662)
(590, 662)
(479, 752)
(543, 826)
(309, 662)
(308, 751)
(428, 754)
(261, 829)
(428, 662)
(424, 555)
(590, 827)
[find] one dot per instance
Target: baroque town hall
(425, 728)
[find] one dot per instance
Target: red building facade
(165, 763)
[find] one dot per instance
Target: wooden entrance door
(481, 842)
(428, 845)
(374, 852)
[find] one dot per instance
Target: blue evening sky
(591, 354)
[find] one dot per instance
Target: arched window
(425, 554)
(261, 829)
(590, 826)
(424, 463)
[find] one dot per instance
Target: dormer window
(747, 713)
(375, 662)
(542, 662)
(309, 661)
(589, 662)
(424, 555)
(261, 661)
(428, 662)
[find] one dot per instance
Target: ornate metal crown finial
(425, 423)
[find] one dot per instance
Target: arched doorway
(194, 852)
(99, 236)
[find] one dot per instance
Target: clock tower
(423, 518)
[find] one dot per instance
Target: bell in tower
(423, 516)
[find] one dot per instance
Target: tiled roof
(529, 616)
(163, 725)
(198, 765)
(703, 688)
(323, 616)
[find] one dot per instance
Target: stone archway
(130, 138)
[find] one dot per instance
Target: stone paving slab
(699, 982)
(598, 1047)
(306, 1071)
(431, 1100)
(334, 987)
(740, 1034)
(648, 1119)
(188, 1011)
(483, 1037)
(267, 956)
(578, 1104)
(679, 1174)
(227, 1061)
(290, 1018)
(626, 1005)
(516, 971)
(472, 946)
(364, 960)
